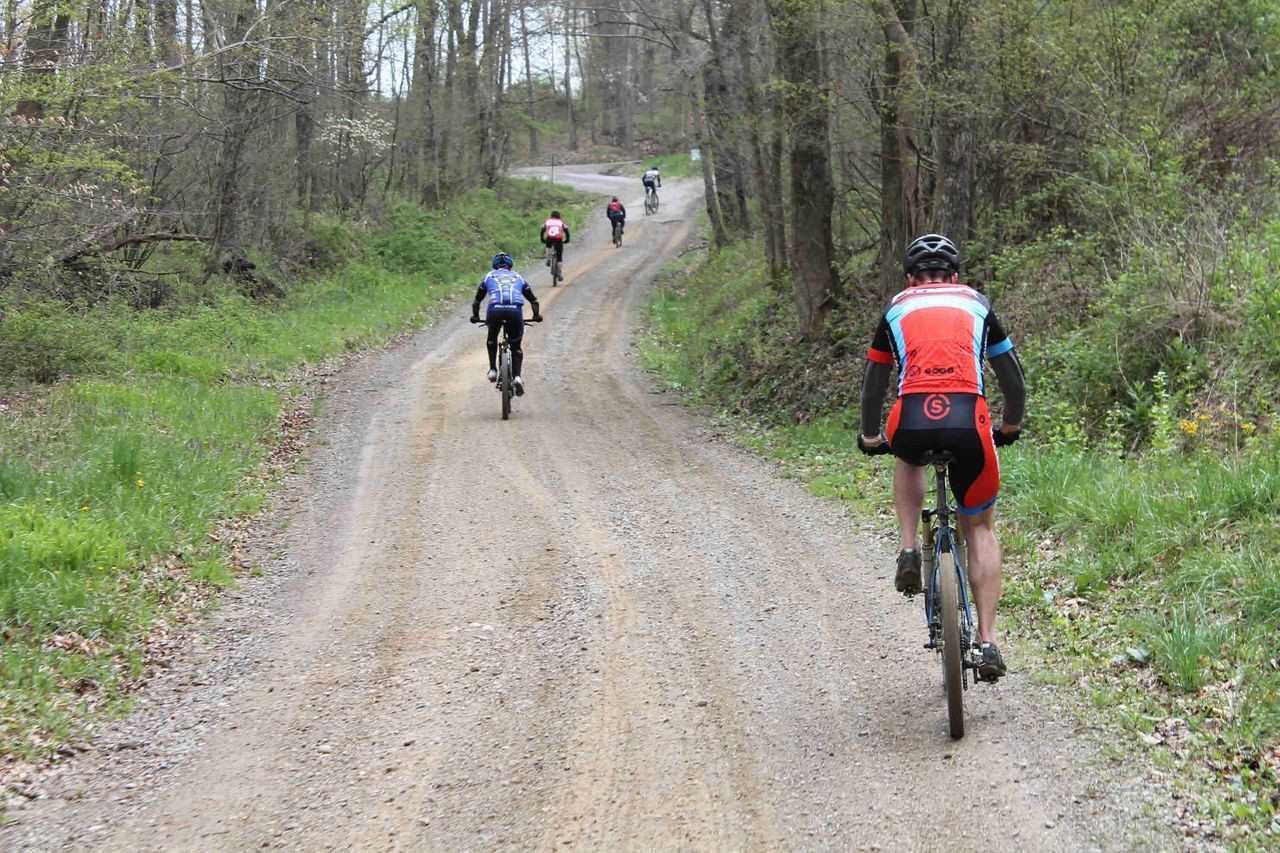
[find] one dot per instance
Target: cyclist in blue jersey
(506, 291)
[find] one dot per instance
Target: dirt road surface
(598, 625)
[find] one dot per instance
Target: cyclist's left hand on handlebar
(1002, 438)
(873, 449)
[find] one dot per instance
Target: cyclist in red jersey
(555, 234)
(938, 332)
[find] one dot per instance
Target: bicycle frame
(504, 366)
(948, 612)
(942, 532)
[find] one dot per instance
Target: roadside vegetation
(133, 436)
(1139, 516)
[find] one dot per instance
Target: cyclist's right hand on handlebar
(475, 318)
(536, 318)
(877, 450)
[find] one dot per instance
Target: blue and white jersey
(506, 289)
(650, 176)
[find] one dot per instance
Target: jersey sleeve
(998, 342)
(881, 351)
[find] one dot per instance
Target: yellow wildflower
(1189, 428)
(141, 482)
(1247, 427)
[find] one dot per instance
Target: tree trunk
(901, 205)
(718, 143)
(953, 211)
(569, 19)
(166, 12)
(528, 80)
(424, 170)
(46, 41)
(813, 280)
(709, 195)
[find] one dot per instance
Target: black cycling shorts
(959, 423)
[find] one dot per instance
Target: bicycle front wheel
(952, 651)
(504, 376)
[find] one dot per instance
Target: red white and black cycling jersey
(554, 230)
(938, 335)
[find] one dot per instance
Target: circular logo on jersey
(937, 406)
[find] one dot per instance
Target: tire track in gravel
(594, 626)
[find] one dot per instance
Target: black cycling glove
(878, 450)
(1004, 439)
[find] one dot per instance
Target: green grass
(1151, 583)
(113, 479)
(674, 165)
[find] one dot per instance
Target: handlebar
(478, 321)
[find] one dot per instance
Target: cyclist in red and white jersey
(555, 234)
(939, 332)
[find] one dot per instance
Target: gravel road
(597, 625)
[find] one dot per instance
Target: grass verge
(114, 479)
(1148, 583)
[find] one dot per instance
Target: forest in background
(1109, 166)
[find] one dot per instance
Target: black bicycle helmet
(502, 259)
(931, 252)
(555, 214)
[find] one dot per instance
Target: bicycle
(617, 233)
(505, 386)
(947, 608)
(650, 201)
(557, 274)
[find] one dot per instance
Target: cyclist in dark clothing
(938, 332)
(506, 291)
(616, 212)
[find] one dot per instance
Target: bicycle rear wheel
(617, 235)
(504, 376)
(952, 651)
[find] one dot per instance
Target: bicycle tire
(617, 236)
(952, 651)
(555, 272)
(504, 376)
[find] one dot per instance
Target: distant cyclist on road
(651, 179)
(937, 331)
(507, 291)
(616, 212)
(555, 234)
